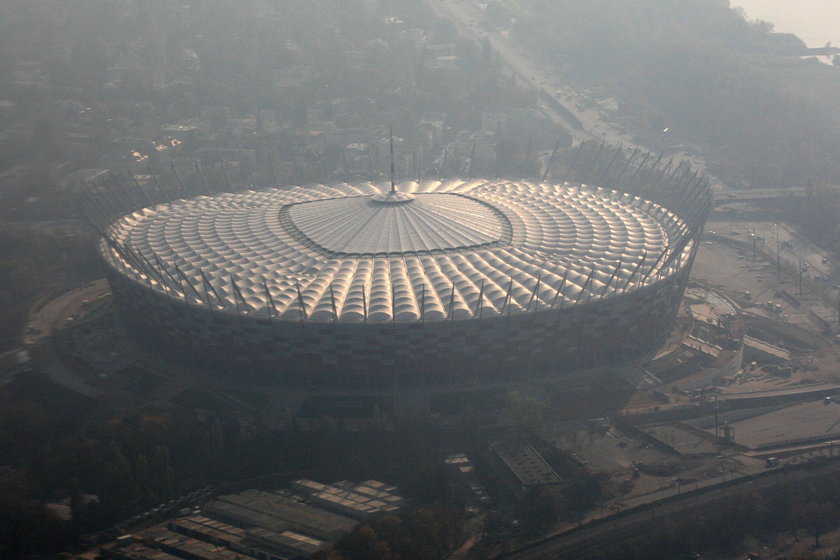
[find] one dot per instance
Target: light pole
(800, 278)
(778, 261)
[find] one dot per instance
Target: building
(278, 513)
(522, 465)
(379, 287)
(363, 501)
(463, 471)
(261, 525)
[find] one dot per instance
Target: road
(783, 241)
(42, 323)
(468, 18)
(632, 523)
(44, 320)
(470, 22)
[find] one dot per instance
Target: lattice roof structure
(427, 251)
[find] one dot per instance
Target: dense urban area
(721, 444)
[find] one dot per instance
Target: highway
(468, 18)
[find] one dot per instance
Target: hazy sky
(815, 21)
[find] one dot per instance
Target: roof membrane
(427, 222)
(433, 250)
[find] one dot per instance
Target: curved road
(646, 518)
(42, 323)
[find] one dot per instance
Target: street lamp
(800, 278)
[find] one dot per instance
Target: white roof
(428, 222)
(357, 252)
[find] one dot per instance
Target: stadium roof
(430, 251)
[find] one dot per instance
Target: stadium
(376, 286)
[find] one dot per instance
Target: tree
(327, 555)
(431, 483)
(816, 517)
(142, 478)
(541, 507)
(582, 492)
(525, 412)
(363, 544)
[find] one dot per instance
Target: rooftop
(428, 251)
(525, 463)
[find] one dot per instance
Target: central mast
(393, 196)
(391, 138)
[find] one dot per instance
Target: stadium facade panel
(439, 283)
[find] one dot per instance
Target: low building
(135, 551)
(256, 508)
(360, 501)
(523, 466)
(259, 525)
(463, 471)
(189, 548)
(287, 542)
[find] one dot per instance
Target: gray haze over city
(419, 279)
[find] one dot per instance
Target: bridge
(723, 197)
